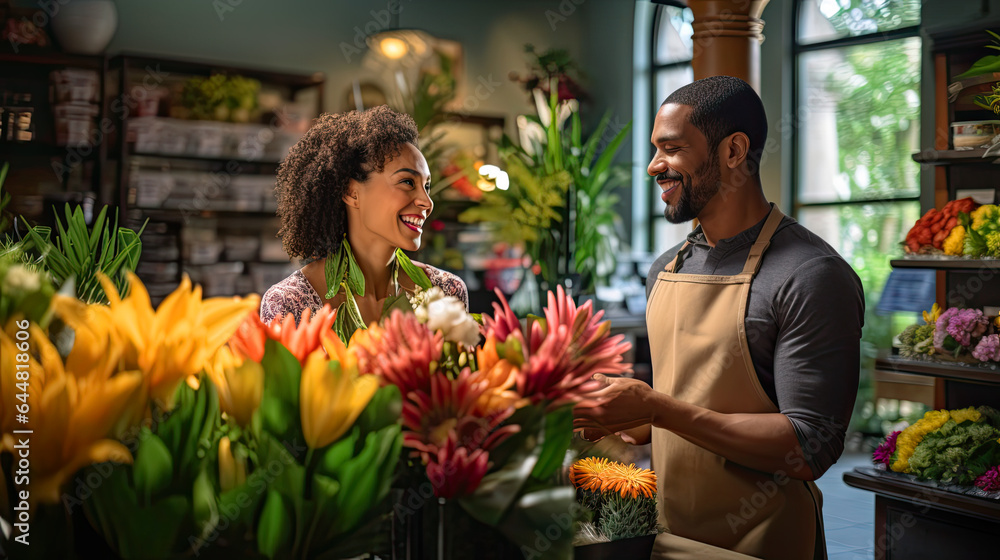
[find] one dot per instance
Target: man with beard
(754, 328)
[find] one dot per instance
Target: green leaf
(412, 271)
(355, 278)
(399, 301)
(334, 269)
(279, 406)
(203, 506)
(498, 489)
(383, 410)
(549, 508)
(154, 467)
(274, 530)
(558, 435)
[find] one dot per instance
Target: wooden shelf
(895, 486)
(178, 214)
(946, 264)
(207, 159)
(42, 149)
(946, 157)
(974, 374)
(29, 54)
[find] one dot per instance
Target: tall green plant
(559, 180)
(81, 254)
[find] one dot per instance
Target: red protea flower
(455, 470)
(400, 352)
(306, 337)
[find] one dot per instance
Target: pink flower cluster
(988, 349)
(961, 324)
(990, 480)
(883, 454)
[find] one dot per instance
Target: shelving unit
(947, 264)
(43, 173)
(206, 187)
(917, 519)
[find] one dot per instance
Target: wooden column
(727, 38)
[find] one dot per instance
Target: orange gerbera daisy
(630, 481)
(588, 474)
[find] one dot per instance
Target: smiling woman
(358, 177)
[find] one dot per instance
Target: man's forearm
(764, 441)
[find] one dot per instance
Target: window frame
(798, 49)
(655, 69)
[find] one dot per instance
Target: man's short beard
(693, 197)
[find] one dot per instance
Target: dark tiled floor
(848, 513)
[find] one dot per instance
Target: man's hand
(623, 404)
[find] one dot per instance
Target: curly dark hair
(313, 179)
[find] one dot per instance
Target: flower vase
(634, 548)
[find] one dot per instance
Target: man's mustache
(668, 177)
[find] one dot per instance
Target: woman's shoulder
(449, 283)
(292, 295)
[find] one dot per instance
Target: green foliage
(81, 255)
(986, 64)
(343, 275)
(623, 517)
(220, 98)
(944, 453)
(561, 202)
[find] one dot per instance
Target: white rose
(448, 315)
(421, 299)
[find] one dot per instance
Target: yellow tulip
(71, 414)
(232, 469)
(177, 339)
(331, 397)
(240, 383)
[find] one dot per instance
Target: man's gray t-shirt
(805, 312)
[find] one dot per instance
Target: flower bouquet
(955, 334)
(175, 438)
(959, 447)
(488, 426)
(623, 501)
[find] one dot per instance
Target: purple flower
(990, 480)
(988, 349)
(883, 453)
(961, 324)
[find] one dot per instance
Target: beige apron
(700, 355)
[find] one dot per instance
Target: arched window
(668, 33)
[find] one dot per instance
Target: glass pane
(670, 79)
(825, 20)
(666, 234)
(673, 39)
(866, 235)
(859, 122)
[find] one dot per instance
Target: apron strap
(673, 263)
(763, 241)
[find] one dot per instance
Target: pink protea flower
(453, 409)
(990, 480)
(400, 352)
(455, 470)
(883, 453)
(504, 323)
(564, 355)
